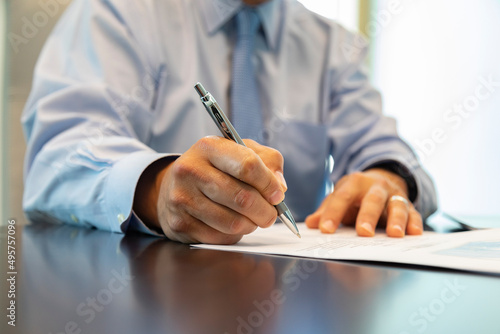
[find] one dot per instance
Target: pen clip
(218, 116)
(222, 124)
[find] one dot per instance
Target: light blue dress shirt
(113, 92)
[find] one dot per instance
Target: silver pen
(227, 129)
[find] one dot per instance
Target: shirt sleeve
(87, 121)
(362, 137)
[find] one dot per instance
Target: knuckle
(384, 183)
(179, 225)
(250, 142)
(244, 199)
(378, 197)
(248, 166)
(236, 226)
(212, 188)
(270, 221)
(178, 200)
(205, 143)
(268, 187)
(181, 169)
(398, 214)
(276, 155)
(345, 194)
(357, 177)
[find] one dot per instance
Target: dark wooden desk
(77, 280)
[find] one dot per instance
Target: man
(113, 91)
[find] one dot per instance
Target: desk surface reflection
(77, 280)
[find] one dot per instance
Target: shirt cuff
(120, 189)
(135, 224)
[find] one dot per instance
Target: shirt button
(73, 218)
(121, 218)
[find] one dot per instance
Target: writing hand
(216, 192)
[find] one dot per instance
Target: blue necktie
(245, 101)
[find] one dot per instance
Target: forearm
(91, 186)
(86, 123)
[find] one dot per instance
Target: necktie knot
(247, 22)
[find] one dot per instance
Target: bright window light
(345, 12)
(437, 65)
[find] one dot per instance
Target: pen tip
(298, 234)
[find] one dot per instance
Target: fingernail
(368, 229)
(397, 231)
(277, 197)
(281, 178)
(327, 227)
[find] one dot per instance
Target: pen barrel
(218, 115)
(227, 129)
(286, 217)
(281, 208)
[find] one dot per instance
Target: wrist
(147, 193)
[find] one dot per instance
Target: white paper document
(471, 251)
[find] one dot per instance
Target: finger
(221, 218)
(187, 229)
(271, 157)
(397, 218)
(415, 223)
(244, 164)
(179, 225)
(338, 204)
(312, 221)
(239, 200)
(372, 206)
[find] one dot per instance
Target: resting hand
(216, 192)
(367, 199)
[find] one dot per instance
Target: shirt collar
(218, 12)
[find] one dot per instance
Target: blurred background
(436, 62)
